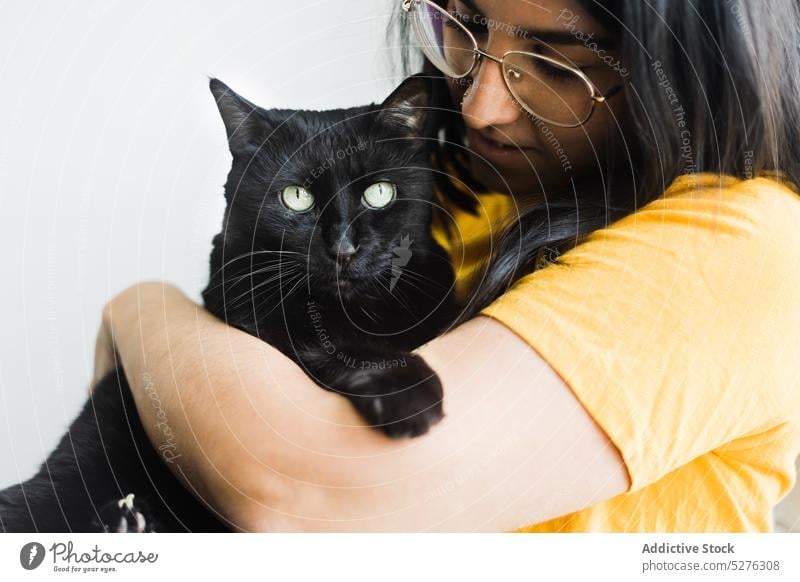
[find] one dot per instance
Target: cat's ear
(243, 122)
(407, 106)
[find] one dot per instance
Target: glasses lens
(443, 39)
(548, 89)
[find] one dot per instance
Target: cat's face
(341, 194)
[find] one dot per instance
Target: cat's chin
(345, 284)
(345, 289)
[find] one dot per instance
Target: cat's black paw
(399, 401)
(125, 515)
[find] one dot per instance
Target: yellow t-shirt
(678, 329)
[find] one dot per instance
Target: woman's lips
(495, 151)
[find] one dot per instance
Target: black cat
(326, 253)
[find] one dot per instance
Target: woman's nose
(487, 101)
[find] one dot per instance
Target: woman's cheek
(579, 147)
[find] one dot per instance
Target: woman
(630, 359)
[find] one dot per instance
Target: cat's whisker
(294, 288)
(260, 271)
(401, 292)
(289, 279)
(284, 267)
(261, 284)
(234, 259)
(286, 295)
(411, 283)
(235, 280)
(256, 253)
(309, 276)
(274, 293)
(369, 314)
(397, 297)
(414, 275)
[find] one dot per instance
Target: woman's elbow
(259, 498)
(308, 469)
(251, 498)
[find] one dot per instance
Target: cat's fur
(350, 321)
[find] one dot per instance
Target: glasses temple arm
(610, 93)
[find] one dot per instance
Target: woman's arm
(272, 451)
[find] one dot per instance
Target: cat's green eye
(297, 198)
(379, 195)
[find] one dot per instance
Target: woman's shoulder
(678, 327)
(726, 204)
(705, 217)
(727, 239)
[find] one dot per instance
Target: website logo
(31, 555)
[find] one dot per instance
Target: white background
(113, 156)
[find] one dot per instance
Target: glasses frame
(594, 94)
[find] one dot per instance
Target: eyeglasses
(546, 88)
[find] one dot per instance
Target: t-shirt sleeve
(678, 327)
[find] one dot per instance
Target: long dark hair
(734, 68)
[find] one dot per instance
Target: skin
(263, 445)
(489, 109)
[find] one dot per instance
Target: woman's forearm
(242, 425)
(262, 444)
(199, 387)
(245, 429)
